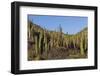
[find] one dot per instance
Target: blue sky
(70, 24)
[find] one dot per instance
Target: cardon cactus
(40, 41)
(36, 45)
(82, 46)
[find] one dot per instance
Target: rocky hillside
(44, 44)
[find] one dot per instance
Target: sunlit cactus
(82, 46)
(40, 40)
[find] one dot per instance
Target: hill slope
(45, 44)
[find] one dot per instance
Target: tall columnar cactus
(66, 42)
(45, 41)
(86, 43)
(40, 41)
(29, 32)
(29, 29)
(36, 45)
(82, 46)
(58, 38)
(75, 41)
